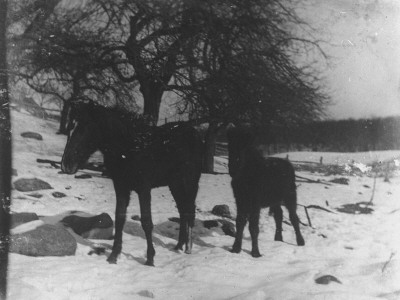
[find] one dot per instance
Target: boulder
(32, 135)
(21, 218)
(45, 240)
(222, 211)
(96, 227)
(31, 184)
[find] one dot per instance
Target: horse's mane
(128, 118)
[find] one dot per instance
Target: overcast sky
(364, 75)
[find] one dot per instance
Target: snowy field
(360, 250)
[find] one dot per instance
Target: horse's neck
(121, 136)
(250, 156)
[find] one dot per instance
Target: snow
(359, 250)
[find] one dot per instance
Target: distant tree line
(348, 135)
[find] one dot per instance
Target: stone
(46, 240)
(36, 195)
(146, 293)
(340, 180)
(96, 227)
(222, 211)
(210, 224)
(31, 184)
(175, 219)
(135, 218)
(228, 228)
(58, 195)
(21, 218)
(326, 279)
(32, 135)
(83, 176)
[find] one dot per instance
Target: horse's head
(83, 137)
(239, 138)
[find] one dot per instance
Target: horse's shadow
(169, 229)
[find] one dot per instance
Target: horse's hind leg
(254, 231)
(122, 195)
(278, 216)
(241, 220)
(294, 219)
(185, 202)
(147, 223)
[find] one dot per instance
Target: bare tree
(62, 58)
(243, 67)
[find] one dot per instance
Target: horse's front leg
(241, 220)
(254, 231)
(147, 223)
(122, 194)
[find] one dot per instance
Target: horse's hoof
(235, 250)
(255, 254)
(112, 259)
(300, 242)
(149, 263)
(188, 251)
(178, 247)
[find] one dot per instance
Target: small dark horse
(138, 158)
(259, 182)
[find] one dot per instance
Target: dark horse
(138, 158)
(259, 182)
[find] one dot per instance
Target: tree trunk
(209, 148)
(64, 118)
(5, 154)
(152, 92)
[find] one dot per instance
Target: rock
(222, 211)
(46, 240)
(58, 195)
(21, 218)
(83, 176)
(356, 208)
(14, 172)
(228, 228)
(175, 219)
(31, 184)
(340, 180)
(32, 135)
(36, 195)
(146, 293)
(96, 227)
(135, 218)
(210, 224)
(326, 279)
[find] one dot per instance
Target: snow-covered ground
(361, 251)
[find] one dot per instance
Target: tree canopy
(226, 60)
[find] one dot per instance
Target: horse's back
(267, 181)
(176, 152)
